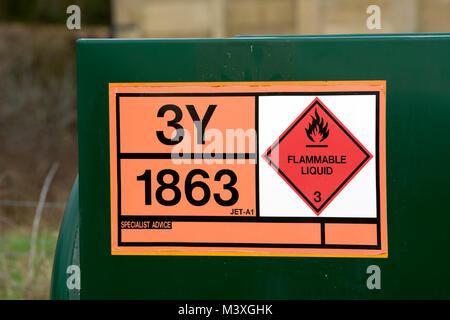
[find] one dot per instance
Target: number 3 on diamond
(318, 196)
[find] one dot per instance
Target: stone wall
(227, 18)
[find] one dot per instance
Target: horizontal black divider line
(248, 219)
(246, 245)
(217, 156)
(246, 94)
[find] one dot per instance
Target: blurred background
(38, 119)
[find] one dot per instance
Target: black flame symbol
(317, 131)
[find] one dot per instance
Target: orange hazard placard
(253, 168)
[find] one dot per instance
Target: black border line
(119, 189)
(377, 164)
(257, 153)
(246, 94)
(248, 245)
(320, 220)
(160, 156)
(322, 233)
(183, 218)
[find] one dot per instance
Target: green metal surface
(417, 71)
(67, 250)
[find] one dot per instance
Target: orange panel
(351, 233)
(133, 190)
(139, 123)
(228, 232)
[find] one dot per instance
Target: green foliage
(14, 259)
